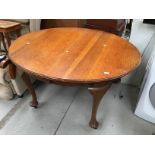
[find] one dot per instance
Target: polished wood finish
(97, 94)
(75, 56)
(27, 81)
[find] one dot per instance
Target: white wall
(140, 36)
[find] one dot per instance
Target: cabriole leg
(97, 94)
(27, 81)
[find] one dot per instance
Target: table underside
(97, 90)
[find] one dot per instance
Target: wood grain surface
(74, 55)
(7, 26)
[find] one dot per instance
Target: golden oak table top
(74, 55)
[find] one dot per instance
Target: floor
(66, 111)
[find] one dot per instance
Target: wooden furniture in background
(4, 63)
(50, 23)
(75, 56)
(6, 27)
(115, 26)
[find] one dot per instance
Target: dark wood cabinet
(48, 23)
(115, 26)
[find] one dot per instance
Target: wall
(140, 36)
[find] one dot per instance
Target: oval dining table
(73, 57)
